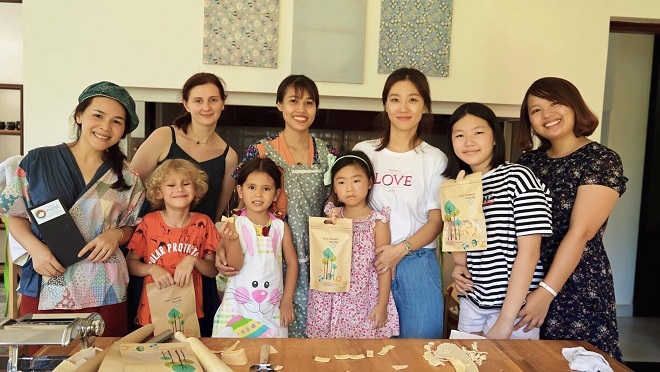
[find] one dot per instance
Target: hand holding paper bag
(173, 308)
(330, 252)
(462, 211)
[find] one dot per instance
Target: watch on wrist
(409, 247)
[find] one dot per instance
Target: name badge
(48, 211)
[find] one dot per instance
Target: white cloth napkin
(579, 359)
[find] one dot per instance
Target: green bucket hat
(119, 94)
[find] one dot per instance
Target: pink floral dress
(345, 314)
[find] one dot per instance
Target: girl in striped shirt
(493, 283)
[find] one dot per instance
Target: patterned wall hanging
(241, 33)
(415, 33)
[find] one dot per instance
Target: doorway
(648, 260)
(632, 105)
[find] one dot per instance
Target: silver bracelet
(549, 289)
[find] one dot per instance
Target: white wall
(11, 43)
(11, 72)
(498, 49)
(152, 46)
(624, 130)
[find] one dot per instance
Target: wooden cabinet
(11, 110)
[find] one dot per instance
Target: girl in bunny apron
(258, 303)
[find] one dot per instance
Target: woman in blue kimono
(92, 179)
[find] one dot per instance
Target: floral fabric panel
(415, 33)
(241, 33)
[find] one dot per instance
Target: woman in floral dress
(576, 298)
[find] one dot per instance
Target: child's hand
(379, 315)
(228, 230)
(221, 263)
(334, 214)
(502, 330)
(286, 314)
(161, 277)
(183, 272)
(461, 276)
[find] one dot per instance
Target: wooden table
(298, 354)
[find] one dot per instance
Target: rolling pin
(138, 335)
(208, 360)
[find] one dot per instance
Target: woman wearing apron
(303, 161)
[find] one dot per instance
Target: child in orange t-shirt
(173, 245)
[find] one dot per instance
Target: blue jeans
(417, 292)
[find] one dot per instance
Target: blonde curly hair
(180, 166)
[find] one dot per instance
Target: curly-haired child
(172, 245)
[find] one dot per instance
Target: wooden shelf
(14, 132)
(10, 132)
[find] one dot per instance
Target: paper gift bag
(463, 215)
(330, 252)
(173, 308)
(168, 357)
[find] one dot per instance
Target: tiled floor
(640, 339)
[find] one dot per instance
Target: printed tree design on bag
(175, 320)
(172, 357)
(181, 364)
(328, 259)
(451, 213)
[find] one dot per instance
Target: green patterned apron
(306, 193)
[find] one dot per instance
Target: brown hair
(563, 92)
(382, 120)
(184, 119)
(183, 167)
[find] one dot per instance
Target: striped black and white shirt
(515, 203)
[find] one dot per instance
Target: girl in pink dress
(367, 310)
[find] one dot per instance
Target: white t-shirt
(408, 183)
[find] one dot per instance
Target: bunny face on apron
(306, 192)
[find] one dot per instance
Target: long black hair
(454, 164)
(355, 158)
(300, 85)
(382, 120)
(113, 154)
(265, 165)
